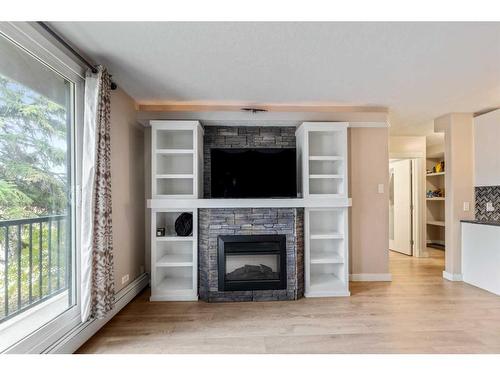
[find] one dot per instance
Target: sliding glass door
(37, 239)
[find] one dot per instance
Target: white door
(400, 206)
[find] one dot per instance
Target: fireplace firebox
(252, 262)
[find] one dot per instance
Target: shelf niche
(326, 252)
(322, 152)
(435, 205)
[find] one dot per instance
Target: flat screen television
(253, 173)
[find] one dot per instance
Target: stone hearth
(250, 221)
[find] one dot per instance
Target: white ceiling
(418, 70)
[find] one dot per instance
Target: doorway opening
(402, 197)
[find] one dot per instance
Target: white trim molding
(79, 335)
(171, 203)
(452, 276)
(370, 277)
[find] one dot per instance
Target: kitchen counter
(482, 222)
(481, 254)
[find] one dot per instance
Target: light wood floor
(418, 312)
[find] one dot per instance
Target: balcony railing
(34, 262)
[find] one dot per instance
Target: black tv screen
(253, 173)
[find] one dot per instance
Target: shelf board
(324, 158)
(435, 174)
(326, 282)
(330, 176)
(179, 264)
(175, 260)
(436, 223)
(175, 283)
(174, 176)
(174, 197)
(326, 236)
(174, 151)
(326, 259)
(175, 238)
(436, 199)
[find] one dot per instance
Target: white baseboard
(79, 335)
(370, 277)
(452, 276)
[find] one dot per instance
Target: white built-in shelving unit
(177, 147)
(326, 252)
(322, 175)
(322, 159)
(436, 205)
(177, 161)
(174, 259)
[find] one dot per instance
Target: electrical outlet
(466, 206)
(381, 188)
(125, 278)
(489, 207)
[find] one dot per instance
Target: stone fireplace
(251, 254)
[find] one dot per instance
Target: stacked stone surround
(486, 194)
(242, 137)
(250, 221)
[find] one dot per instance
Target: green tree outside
(33, 183)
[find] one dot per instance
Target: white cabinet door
(487, 158)
(481, 256)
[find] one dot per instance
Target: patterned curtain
(98, 288)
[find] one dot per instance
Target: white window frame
(32, 39)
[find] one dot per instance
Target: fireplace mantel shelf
(248, 203)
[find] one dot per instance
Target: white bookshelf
(177, 148)
(176, 165)
(174, 259)
(322, 159)
(326, 252)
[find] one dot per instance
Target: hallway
(404, 267)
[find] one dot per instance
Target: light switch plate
(489, 207)
(466, 206)
(381, 188)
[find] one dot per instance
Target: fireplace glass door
(247, 267)
(255, 262)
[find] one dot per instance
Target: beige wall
(407, 146)
(127, 183)
(459, 181)
(369, 215)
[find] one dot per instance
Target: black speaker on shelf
(184, 224)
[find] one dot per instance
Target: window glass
(36, 252)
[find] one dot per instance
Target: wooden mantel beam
(237, 107)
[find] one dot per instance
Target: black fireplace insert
(253, 262)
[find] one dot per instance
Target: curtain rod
(72, 50)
